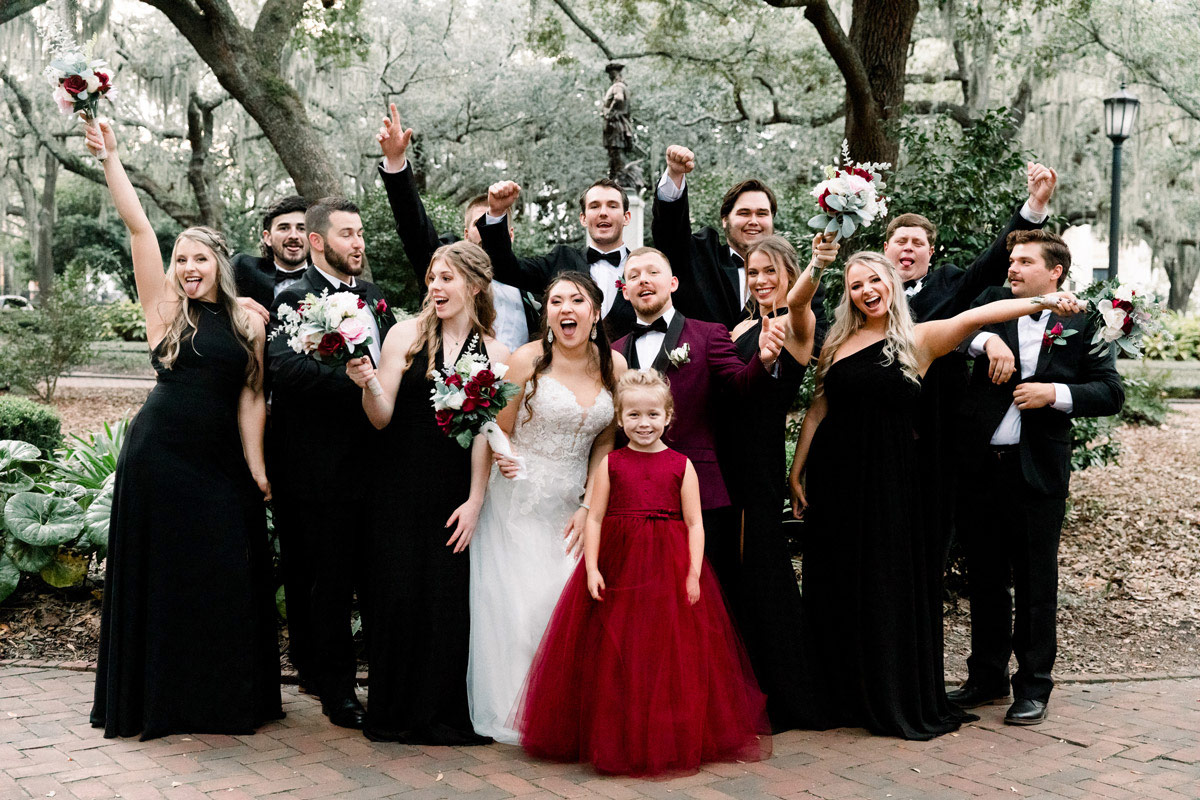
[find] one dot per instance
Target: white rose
(1113, 317)
(499, 370)
(1124, 292)
(93, 82)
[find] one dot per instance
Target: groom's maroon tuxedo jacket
(713, 366)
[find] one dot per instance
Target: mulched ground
(1128, 563)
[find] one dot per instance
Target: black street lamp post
(1120, 114)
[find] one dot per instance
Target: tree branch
(11, 9)
(275, 24)
(1148, 73)
(925, 77)
(585, 30)
(191, 22)
(956, 111)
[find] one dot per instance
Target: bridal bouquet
(469, 395)
(332, 328)
(1123, 316)
(79, 82)
(849, 197)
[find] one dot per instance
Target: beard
(282, 258)
(342, 263)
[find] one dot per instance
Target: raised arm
(417, 234)
(936, 339)
(801, 317)
(158, 303)
(531, 274)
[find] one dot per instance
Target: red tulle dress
(643, 683)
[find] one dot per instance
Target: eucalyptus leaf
(40, 519)
(28, 557)
(67, 569)
(819, 221)
(281, 603)
(848, 226)
(833, 226)
(10, 576)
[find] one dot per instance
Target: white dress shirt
(668, 192)
(1030, 330)
(338, 286)
(603, 273)
(293, 276)
(649, 344)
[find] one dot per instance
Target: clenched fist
(680, 161)
(501, 196)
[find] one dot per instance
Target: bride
(529, 532)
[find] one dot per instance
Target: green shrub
(1146, 398)
(1178, 341)
(123, 322)
(27, 421)
(1093, 443)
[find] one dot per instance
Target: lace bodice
(556, 441)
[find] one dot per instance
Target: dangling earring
(549, 336)
(594, 326)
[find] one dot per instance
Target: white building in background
(1089, 253)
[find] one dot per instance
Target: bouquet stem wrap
(500, 445)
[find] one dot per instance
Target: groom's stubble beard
(342, 263)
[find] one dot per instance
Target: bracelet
(585, 506)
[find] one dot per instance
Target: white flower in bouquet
(354, 331)
(499, 370)
(849, 197)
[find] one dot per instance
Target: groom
(699, 361)
(324, 447)
(1017, 448)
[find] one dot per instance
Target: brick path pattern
(1110, 740)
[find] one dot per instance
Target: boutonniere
(620, 285)
(1056, 335)
(680, 355)
(380, 309)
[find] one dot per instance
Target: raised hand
(100, 139)
(1001, 362)
(1063, 303)
(360, 371)
(393, 140)
(680, 161)
(824, 251)
(501, 196)
(1041, 181)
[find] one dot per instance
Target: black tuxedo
(1016, 529)
(421, 239)
(710, 287)
(255, 278)
(323, 448)
(534, 273)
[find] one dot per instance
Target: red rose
(361, 303)
(485, 377)
(472, 389)
(469, 405)
(1124, 305)
(75, 84)
(862, 173)
(620, 285)
(330, 343)
(821, 202)
(1127, 325)
(454, 379)
(102, 76)
(1057, 329)
(444, 418)
(381, 307)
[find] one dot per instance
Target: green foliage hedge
(31, 422)
(1180, 341)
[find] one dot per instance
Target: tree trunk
(43, 254)
(1182, 272)
(880, 31)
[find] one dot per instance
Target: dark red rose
(821, 202)
(444, 418)
(620, 285)
(1057, 329)
(381, 307)
(485, 377)
(862, 173)
(1127, 325)
(472, 389)
(75, 84)
(469, 405)
(331, 343)
(362, 303)
(102, 76)
(454, 379)
(1124, 305)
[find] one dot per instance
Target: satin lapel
(1045, 352)
(670, 342)
(630, 352)
(1012, 338)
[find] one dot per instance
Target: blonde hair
(472, 263)
(650, 380)
(783, 257)
(848, 319)
(183, 325)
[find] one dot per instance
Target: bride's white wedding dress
(519, 562)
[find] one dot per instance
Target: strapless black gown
(870, 640)
(188, 639)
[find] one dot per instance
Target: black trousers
(1013, 535)
(722, 547)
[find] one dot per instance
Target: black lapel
(670, 341)
(630, 353)
(1045, 352)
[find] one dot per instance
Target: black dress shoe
(346, 713)
(1026, 712)
(971, 696)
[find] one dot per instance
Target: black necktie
(613, 257)
(640, 329)
(283, 275)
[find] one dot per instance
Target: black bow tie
(911, 284)
(359, 288)
(1041, 315)
(613, 257)
(640, 329)
(282, 275)
(738, 261)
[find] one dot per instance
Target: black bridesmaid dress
(417, 587)
(188, 640)
(870, 639)
(768, 607)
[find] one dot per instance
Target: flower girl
(640, 670)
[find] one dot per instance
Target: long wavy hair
(783, 258)
(472, 263)
(601, 347)
(182, 327)
(848, 320)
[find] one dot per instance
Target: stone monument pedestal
(635, 231)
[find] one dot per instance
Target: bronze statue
(618, 132)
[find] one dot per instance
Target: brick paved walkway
(1113, 740)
